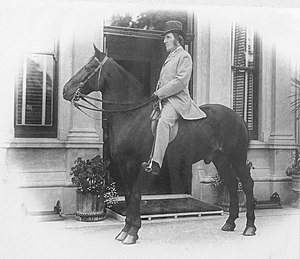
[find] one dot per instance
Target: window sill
(35, 143)
(48, 143)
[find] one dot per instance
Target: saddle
(154, 117)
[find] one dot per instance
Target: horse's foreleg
(128, 189)
(176, 173)
(124, 232)
(133, 219)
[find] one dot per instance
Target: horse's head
(85, 80)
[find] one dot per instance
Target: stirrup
(147, 166)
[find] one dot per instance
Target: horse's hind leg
(243, 172)
(224, 169)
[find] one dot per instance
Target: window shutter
(35, 91)
(244, 76)
(239, 75)
(35, 112)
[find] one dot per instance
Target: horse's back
(220, 112)
(230, 126)
(221, 131)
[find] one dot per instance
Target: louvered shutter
(244, 76)
(35, 110)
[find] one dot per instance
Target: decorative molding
(256, 144)
(85, 145)
(41, 184)
(83, 135)
(42, 143)
(164, 196)
(209, 179)
(38, 171)
(287, 139)
(35, 143)
(273, 179)
(138, 33)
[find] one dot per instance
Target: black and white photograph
(150, 129)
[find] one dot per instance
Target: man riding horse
(172, 93)
(221, 138)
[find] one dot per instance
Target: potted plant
(294, 172)
(96, 190)
(222, 192)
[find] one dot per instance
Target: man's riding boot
(154, 169)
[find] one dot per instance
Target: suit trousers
(166, 121)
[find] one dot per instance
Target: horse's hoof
(121, 236)
(130, 240)
(228, 227)
(249, 231)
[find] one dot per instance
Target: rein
(78, 95)
(95, 108)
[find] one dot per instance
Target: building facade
(232, 65)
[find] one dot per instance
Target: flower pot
(296, 189)
(89, 207)
(224, 199)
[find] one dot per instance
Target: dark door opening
(143, 58)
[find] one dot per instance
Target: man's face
(170, 42)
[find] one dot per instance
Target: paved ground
(277, 237)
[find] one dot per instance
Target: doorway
(143, 58)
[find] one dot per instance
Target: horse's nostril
(65, 94)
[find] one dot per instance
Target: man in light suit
(172, 91)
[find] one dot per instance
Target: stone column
(88, 30)
(265, 91)
(82, 135)
(282, 137)
(212, 84)
(201, 58)
(282, 125)
(220, 63)
(7, 75)
(212, 61)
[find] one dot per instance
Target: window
(245, 75)
(36, 95)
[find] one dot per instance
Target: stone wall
(271, 152)
(37, 170)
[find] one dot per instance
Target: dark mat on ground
(267, 205)
(170, 206)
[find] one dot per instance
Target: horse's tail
(240, 150)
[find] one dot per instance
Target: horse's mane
(133, 81)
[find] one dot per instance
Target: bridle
(80, 96)
(77, 96)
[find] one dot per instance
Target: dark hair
(179, 38)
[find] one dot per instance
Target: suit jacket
(173, 84)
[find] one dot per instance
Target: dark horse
(221, 138)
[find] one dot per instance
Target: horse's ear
(97, 51)
(100, 55)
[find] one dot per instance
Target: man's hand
(154, 97)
